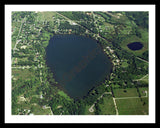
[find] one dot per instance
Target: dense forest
(140, 18)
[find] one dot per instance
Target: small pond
(135, 46)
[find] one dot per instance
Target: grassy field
(61, 93)
(48, 16)
(23, 74)
(132, 106)
(87, 111)
(124, 64)
(134, 38)
(38, 110)
(145, 79)
(142, 89)
(107, 107)
(130, 92)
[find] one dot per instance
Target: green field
(107, 106)
(124, 64)
(134, 38)
(48, 16)
(23, 74)
(61, 93)
(86, 112)
(129, 92)
(132, 106)
(142, 89)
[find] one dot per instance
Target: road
(17, 41)
(114, 101)
(141, 78)
(93, 32)
(142, 59)
(50, 109)
(23, 67)
(91, 108)
(112, 15)
(81, 26)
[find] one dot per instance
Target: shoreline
(105, 77)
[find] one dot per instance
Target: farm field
(129, 92)
(132, 106)
(129, 103)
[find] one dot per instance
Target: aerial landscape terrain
(79, 63)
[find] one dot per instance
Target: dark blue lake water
(135, 46)
(78, 63)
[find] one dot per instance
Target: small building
(73, 23)
(15, 60)
(23, 47)
(89, 13)
(59, 106)
(107, 85)
(117, 60)
(111, 51)
(41, 96)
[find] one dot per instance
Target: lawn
(23, 74)
(145, 79)
(132, 106)
(107, 107)
(61, 93)
(124, 64)
(48, 16)
(142, 89)
(128, 92)
(38, 110)
(87, 111)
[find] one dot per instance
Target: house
(23, 47)
(89, 14)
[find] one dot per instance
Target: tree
(98, 109)
(31, 58)
(125, 91)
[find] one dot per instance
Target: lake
(135, 46)
(78, 63)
